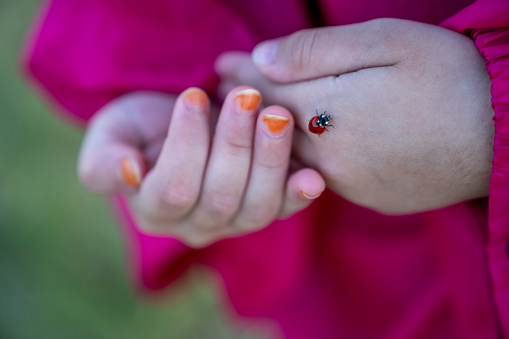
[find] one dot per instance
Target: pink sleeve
(87, 52)
(487, 22)
(84, 53)
(154, 262)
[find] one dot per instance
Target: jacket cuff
(494, 47)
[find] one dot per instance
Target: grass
(62, 268)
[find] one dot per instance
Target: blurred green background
(62, 266)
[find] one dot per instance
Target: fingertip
(310, 184)
(304, 186)
(192, 108)
(269, 59)
(223, 63)
(264, 54)
(220, 63)
(195, 98)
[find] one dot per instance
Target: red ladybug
(318, 124)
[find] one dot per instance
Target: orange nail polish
(310, 197)
(131, 172)
(275, 123)
(196, 97)
(248, 99)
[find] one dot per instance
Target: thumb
(319, 52)
(110, 160)
(114, 168)
(122, 140)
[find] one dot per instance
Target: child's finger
(116, 168)
(269, 169)
(172, 187)
(109, 161)
(319, 52)
(238, 68)
(230, 159)
(303, 187)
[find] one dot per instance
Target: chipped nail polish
(248, 100)
(195, 98)
(275, 124)
(130, 172)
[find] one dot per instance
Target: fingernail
(275, 123)
(195, 97)
(265, 53)
(310, 197)
(248, 100)
(130, 172)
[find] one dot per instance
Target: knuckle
(219, 203)
(273, 163)
(175, 196)
(238, 149)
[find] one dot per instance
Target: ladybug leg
(329, 126)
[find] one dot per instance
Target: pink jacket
(351, 273)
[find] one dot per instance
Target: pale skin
(201, 186)
(413, 132)
(410, 103)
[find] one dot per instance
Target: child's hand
(203, 186)
(410, 103)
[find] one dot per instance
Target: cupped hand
(187, 181)
(410, 104)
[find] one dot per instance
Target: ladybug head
(323, 120)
